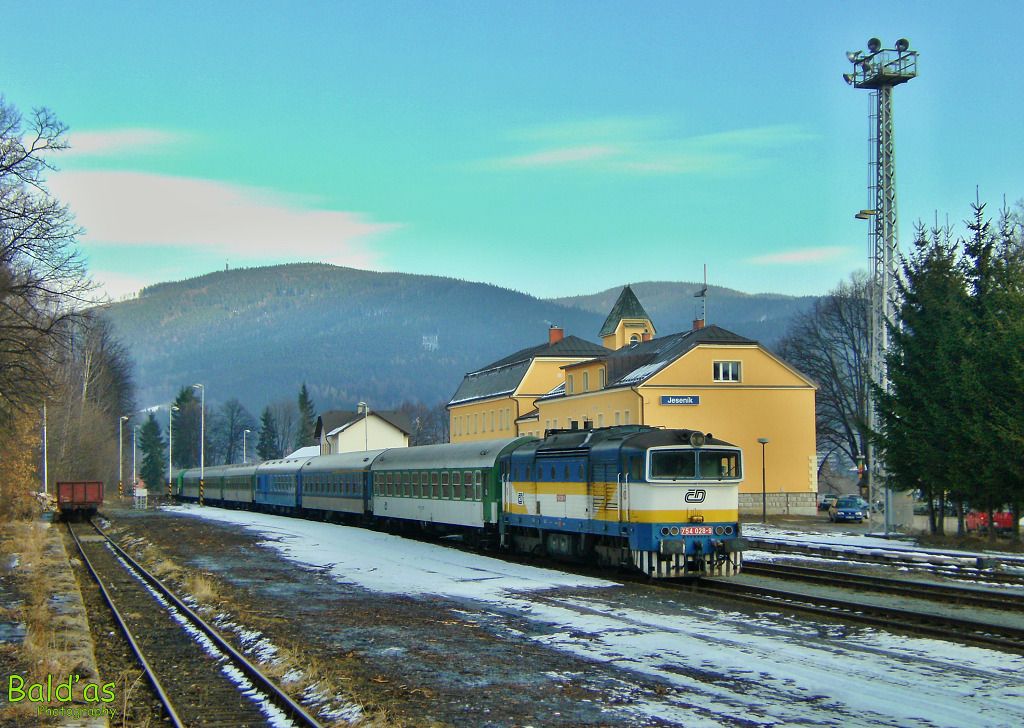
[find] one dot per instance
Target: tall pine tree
(266, 447)
(921, 413)
(307, 419)
(154, 464)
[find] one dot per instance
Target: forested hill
(256, 334)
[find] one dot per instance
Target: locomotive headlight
(728, 530)
(697, 439)
(674, 530)
(664, 530)
(719, 530)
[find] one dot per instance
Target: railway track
(968, 566)
(199, 678)
(918, 590)
(890, 618)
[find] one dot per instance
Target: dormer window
(568, 383)
(634, 340)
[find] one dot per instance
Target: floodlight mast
(879, 70)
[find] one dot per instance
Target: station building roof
(504, 376)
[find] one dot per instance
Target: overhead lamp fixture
(874, 45)
(853, 56)
(848, 77)
(903, 45)
(865, 214)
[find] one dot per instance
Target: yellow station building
(707, 379)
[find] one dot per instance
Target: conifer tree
(921, 413)
(307, 419)
(266, 447)
(154, 465)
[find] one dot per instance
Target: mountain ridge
(354, 335)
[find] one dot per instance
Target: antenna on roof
(702, 294)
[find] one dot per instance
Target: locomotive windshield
(705, 464)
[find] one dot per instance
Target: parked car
(826, 501)
(846, 509)
(865, 506)
(978, 520)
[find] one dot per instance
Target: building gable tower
(627, 323)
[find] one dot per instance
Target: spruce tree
(266, 447)
(307, 419)
(154, 465)
(921, 413)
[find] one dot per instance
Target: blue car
(846, 509)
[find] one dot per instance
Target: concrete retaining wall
(797, 504)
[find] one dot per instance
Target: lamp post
(135, 437)
(120, 455)
(170, 449)
(764, 492)
(245, 460)
(362, 407)
(202, 439)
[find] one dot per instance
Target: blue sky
(555, 148)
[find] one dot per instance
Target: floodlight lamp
(853, 56)
(874, 45)
(848, 78)
(903, 45)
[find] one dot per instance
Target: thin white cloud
(557, 157)
(247, 224)
(646, 146)
(801, 256)
(120, 142)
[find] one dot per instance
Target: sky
(555, 148)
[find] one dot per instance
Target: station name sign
(688, 399)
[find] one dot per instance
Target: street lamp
(245, 460)
(365, 410)
(170, 448)
(202, 439)
(764, 493)
(135, 477)
(120, 455)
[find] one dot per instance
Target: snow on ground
(382, 562)
(837, 539)
(717, 667)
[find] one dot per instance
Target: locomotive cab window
(673, 464)
(719, 464)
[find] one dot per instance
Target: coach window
(433, 485)
(457, 492)
(446, 491)
(406, 488)
(726, 371)
(478, 480)
(378, 483)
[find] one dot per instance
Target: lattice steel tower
(880, 69)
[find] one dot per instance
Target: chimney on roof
(555, 334)
(698, 324)
(645, 336)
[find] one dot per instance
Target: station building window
(569, 384)
(586, 381)
(602, 377)
(726, 371)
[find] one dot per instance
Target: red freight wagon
(80, 497)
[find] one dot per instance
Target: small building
(492, 401)
(344, 431)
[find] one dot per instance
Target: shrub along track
(199, 678)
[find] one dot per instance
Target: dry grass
(203, 588)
